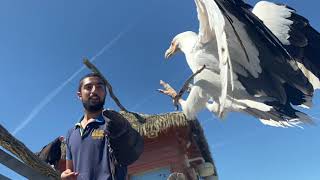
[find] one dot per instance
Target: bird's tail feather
(280, 116)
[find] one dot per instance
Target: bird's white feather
(283, 124)
(212, 22)
(275, 18)
(311, 77)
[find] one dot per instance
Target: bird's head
(182, 42)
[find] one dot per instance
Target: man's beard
(93, 106)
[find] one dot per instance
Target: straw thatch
(152, 125)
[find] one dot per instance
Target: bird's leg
(168, 90)
(186, 85)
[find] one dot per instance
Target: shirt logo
(98, 134)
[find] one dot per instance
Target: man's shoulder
(69, 132)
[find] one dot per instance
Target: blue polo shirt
(88, 149)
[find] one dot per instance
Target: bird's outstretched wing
(212, 26)
(257, 58)
(299, 38)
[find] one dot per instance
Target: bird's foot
(169, 91)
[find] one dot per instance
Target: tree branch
(186, 84)
(95, 70)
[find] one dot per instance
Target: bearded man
(103, 143)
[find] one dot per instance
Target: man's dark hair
(90, 75)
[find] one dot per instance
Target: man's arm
(125, 141)
(69, 165)
(68, 174)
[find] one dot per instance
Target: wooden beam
(19, 167)
(14, 146)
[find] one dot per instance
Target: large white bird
(250, 68)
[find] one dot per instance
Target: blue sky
(42, 44)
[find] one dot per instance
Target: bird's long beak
(171, 51)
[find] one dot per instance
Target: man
(103, 143)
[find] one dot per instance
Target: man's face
(92, 94)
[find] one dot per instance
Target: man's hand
(69, 175)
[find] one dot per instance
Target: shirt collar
(99, 119)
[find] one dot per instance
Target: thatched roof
(152, 125)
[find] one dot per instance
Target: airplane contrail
(35, 111)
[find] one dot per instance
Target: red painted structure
(172, 149)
